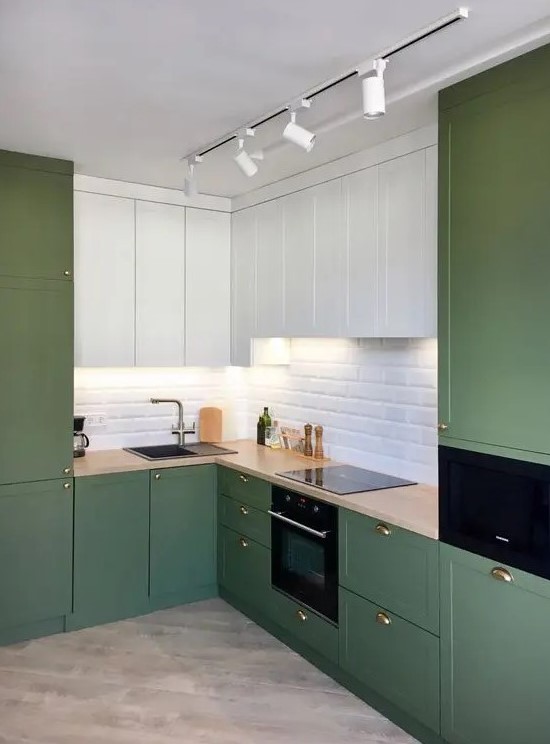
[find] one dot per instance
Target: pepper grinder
(308, 447)
(318, 454)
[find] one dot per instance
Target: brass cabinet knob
(501, 574)
(382, 618)
(243, 478)
(66, 485)
(442, 427)
(301, 615)
(244, 511)
(67, 272)
(157, 476)
(243, 543)
(66, 471)
(382, 529)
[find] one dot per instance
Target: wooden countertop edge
(413, 508)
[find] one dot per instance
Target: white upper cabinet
(104, 281)
(406, 247)
(299, 263)
(243, 285)
(270, 266)
(361, 274)
(160, 285)
(208, 288)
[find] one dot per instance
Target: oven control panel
(309, 511)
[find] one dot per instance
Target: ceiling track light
(374, 96)
(190, 185)
(242, 158)
(296, 134)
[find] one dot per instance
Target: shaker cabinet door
(243, 285)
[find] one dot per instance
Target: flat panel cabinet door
(36, 379)
(160, 285)
(495, 652)
(36, 219)
(104, 281)
(183, 529)
(494, 259)
(36, 544)
(361, 288)
(243, 285)
(406, 252)
(299, 260)
(330, 240)
(111, 553)
(208, 288)
(270, 270)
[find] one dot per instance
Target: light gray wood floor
(199, 674)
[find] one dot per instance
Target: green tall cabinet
(494, 259)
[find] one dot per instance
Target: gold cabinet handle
(442, 427)
(66, 471)
(244, 511)
(382, 618)
(157, 476)
(301, 615)
(501, 574)
(243, 478)
(243, 543)
(66, 486)
(382, 529)
(67, 272)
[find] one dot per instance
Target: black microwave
(496, 507)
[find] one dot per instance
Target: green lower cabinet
(111, 548)
(394, 658)
(245, 519)
(36, 525)
(495, 652)
(244, 570)
(244, 488)
(183, 535)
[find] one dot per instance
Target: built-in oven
(496, 507)
(304, 550)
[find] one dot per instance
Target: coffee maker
(80, 441)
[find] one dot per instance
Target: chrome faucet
(181, 431)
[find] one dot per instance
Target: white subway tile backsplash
(376, 399)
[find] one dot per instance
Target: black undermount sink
(172, 451)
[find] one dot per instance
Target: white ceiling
(125, 88)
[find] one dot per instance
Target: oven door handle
(282, 518)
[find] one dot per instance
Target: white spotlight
(244, 161)
(190, 186)
(298, 135)
(374, 97)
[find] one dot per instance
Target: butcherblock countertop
(414, 508)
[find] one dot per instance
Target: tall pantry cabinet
(36, 393)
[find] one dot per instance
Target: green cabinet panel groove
(495, 653)
(183, 532)
(244, 569)
(36, 386)
(399, 571)
(398, 660)
(36, 544)
(245, 488)
(494, 222)
(36, 223)
(245, 519)
(111, 548)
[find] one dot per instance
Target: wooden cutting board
(210, 424)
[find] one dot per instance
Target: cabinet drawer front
(245, 520)
(393, 657)
(391, 567)
(244, 568)
(308, 627)
(245, 488)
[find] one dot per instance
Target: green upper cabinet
(36, 379)
(495, 652)
(111, 548)
(494, 258)
(36, 217)
(183, 534)
(36, 544)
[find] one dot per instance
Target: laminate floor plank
(198, 674)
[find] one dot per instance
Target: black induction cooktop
(344, 479)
